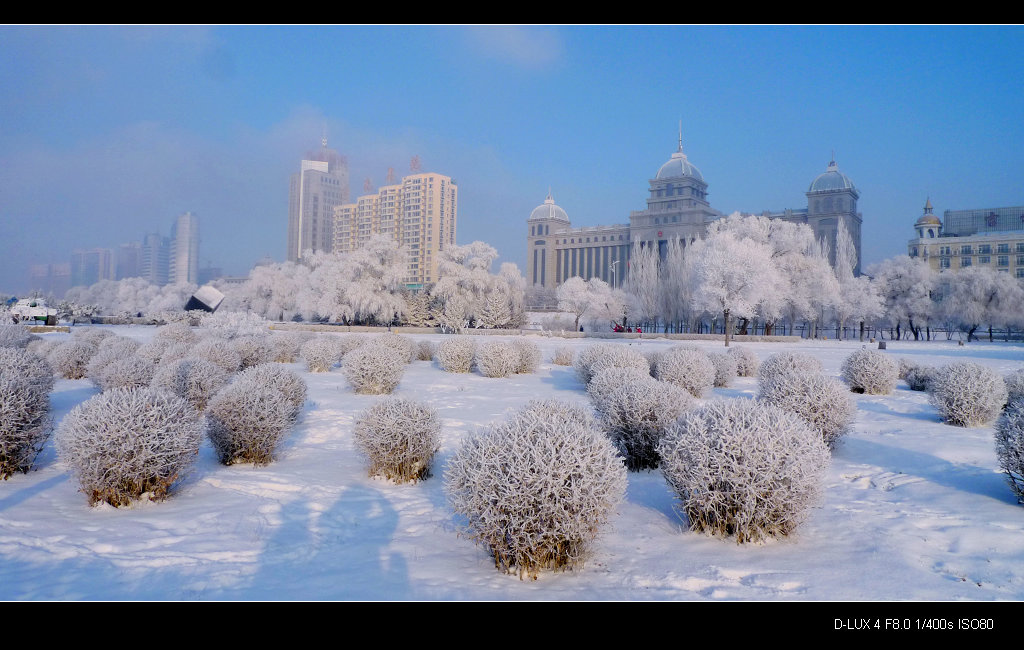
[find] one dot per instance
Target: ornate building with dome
(677, 208)
(990, 237)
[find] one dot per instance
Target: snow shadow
(925, 413)
(30, 490)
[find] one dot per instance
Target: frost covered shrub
(587, 356)
(529, 355)
(285, 346)
(636, 409)
(787, 363)
(218, 351)
(562, 356)
(456, 354)
(1015, 385)
(373, 369)
(619, 356)
(69, 359)
(253, 350)
(25, 364)
(744, 468)
(247, 420)
(424, 351)
(175, 351)
(918, 377)
(42, 347)
(870, 371)
(129, 372)
(402, 344)
(822, 402)
(193, 380)
(128, 442)
(24, 416)
(687, 368)
(905, 365)
(967, 394)
(725, 368)
(93, 335)
(537, 488)
(153, 350)
(232, 324)
(1009, 435)
(496, 359)
(350, 342)
(271, 375)
(747, 361)
(320, 354)
(176, 333)
(400, 437)
(14, 336)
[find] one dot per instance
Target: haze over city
(107, 133)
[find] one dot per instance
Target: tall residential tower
(320, 184)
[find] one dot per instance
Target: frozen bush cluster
(967, 394)
(687, 368)
(456, 354)
(744, 468)
(786, 363)
(425, 350)
(24, 416)
(128, 442)
(636, 409)
(232, 324)
(537, 488)
(747, 361)
(529, 355)
(725, 368)
(129, 372)
(400, 437)
(919, 377)
(871, 372)
(587, 356)
(194, 380)
(93, 335)
(70, 358)
(250, 416)
(285, 346)
(218, 351)
(350, 342)
(905, 365)
(153, 350)
(619, 356)
(253, 350)
(1015, 385)
(320, 354)
(27, 365)
(497, 359)
(402, 344)
(14, 336)
(1009, 435)
(373, 369)
(822, 402)
(112, 348)
(174, 333)
(562, 356)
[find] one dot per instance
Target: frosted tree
(676, 289)
(607, 305)
(858, 296)
(464, 280)
(905, 285)
(978, 295)
(515, 285)
(574, 297)
(644, 282)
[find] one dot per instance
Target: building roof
(548, 210)
(831, 180)
(679, 167)
(928, 219)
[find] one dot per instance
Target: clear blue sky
(110, 132)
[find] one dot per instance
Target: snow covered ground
(913, 509)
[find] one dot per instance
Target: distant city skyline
(113, 130)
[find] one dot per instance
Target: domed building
(991, 237)
(677, 208)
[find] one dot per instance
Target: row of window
(1001, 260)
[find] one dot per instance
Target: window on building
(944, 262)
(1004, 248)
(985, 249)
(965, 261)
(965, 249)
(1003, 260)
(984, 259)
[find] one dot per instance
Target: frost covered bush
(25, 364)
(218, 351)
(285, 346)
(562, 356)
(456, 354)
(744, 468)
(128, 442)
(687, 368)
(1009, 435)
(176, 333)
(232, 324)
(193, 380)
(93, 335)
(24, 414)
(129, 372)
(587, 356)
(918, 377)
(14, 336)
(153, 350)
(402, 344)
(253, 350)
(635, 410)
(350, 342)
(320, 354)
(271, 375)
(400, 437)
(69, 359)
(496, 359)
(537, 488)
(529, 356)
(747, 361)
(871, 372)
(619, 356)
(1015, 385)
(425, 350)
(822, 402)
(373, 369)
(905, 365)
(725, 368)
(786, 363)
(967, 394)
(247, 420)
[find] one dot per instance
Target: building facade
(90, 266)
(420, 212)
(319, 186)
(990, 237)
(155, 267)
(184, 255)
(677, 208)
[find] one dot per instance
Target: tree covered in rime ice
(978, 295)
(905, 285)
(131, 296)
(643, 283)
(537, 488)
(858, 296)
(870, 371)
(468, 294)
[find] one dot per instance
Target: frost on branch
(320, 354)
(747, 361)
(1010, 446)
(112, 348)
(870, 371)
(176, 333)
(497, 359)
(128, 442)
(400, 437)
(402, 344)
(253, 350)
(24, 415)
(822, 402)
(593, 358)
(537, 488)
(636, 409)
(562, 356)
(70, 358)
(919, 377)
(687, 368)
(744, 468)
(786, 363)
(193, 380)
(725, 368)
(529, 355)
(373, 369)
(456, 354)
(27, 365)
(425, 350)
(274, 376)
(1015, 385)
(218, 351)
(129, 372)
(967, 394)
(285, 346)
(15, 336)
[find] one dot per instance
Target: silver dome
(831, 180)
(548, 210)
(677, 167)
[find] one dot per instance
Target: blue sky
(110, 132)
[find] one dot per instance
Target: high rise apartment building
(183, 260)
(420, 212)
(319, 186)
(155, 255)
(92, 265)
